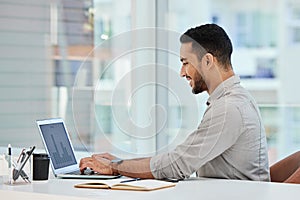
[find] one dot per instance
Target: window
(96, 62)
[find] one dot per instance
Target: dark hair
(210, 38)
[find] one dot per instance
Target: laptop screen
(58, 145)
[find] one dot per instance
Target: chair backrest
(287, 170)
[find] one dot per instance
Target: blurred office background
(60, 58)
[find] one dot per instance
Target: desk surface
(194, 188)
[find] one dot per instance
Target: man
(230, 141)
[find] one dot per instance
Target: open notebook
(140, 185)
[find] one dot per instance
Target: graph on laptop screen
(58, 144)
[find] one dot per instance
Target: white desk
(191, 189)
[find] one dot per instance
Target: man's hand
(100, 163)
(108, 156)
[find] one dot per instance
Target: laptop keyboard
(87, 171)
(77, 172)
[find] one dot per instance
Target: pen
(130, 180)
(20, 166)
(21, 156)
(9, 164)
(22, 173)
(172, 180)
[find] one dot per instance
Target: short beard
(198, 85)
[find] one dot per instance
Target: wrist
(114, 164)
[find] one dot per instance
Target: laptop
(61, 152)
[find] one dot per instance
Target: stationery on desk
(18, 168)
(127, 184)
(9, 161)
(15, 170)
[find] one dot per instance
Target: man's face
(191, 68)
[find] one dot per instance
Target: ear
(208, 60)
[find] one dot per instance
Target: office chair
(287, 170)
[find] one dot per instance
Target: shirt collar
(222, 88)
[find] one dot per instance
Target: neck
(219, 77)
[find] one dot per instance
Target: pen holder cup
(40, 166)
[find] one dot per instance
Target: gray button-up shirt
(230, 141)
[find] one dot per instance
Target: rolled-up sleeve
(218, 131)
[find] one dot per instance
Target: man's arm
(137, 168)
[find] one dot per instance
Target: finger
(85, 165)
(84, 160)
(99, 166)
(103, 166)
